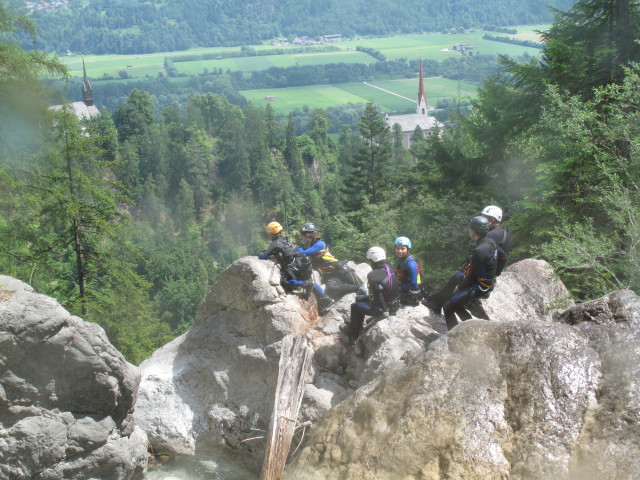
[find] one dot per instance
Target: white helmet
(493, 211)
(376, 254)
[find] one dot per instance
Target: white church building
(85, 109)
(409, 122)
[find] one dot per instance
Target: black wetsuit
(294, 273)
(384, 297)
(477, 279)
(502, 237)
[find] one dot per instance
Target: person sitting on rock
(383, 298)
(338, 277)
(408, 273)
(476, 279)
(499, 234)
(295, 267)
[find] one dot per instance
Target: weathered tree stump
(295, 362)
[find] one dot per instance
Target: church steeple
(422, 96)
(87, 92)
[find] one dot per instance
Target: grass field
(324, 96)
(248, 64)
(427, 46)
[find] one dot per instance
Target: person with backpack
(408, 273)
(499, 234)
(476, 279)
(295, 267)
(338, 277)
(383, 298)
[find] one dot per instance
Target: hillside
(116, 26)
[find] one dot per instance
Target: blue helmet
(404, 241)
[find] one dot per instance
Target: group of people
(387, 289)
(478, 275)
(297, 266)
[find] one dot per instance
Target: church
(409, 122)
(85, 109)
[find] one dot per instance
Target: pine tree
(370, 168)
(21, 114)
(293, 158)
(271, 123)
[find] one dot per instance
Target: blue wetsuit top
(408, 270)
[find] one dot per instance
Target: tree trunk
(295, 362)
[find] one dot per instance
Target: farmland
(324, 96)
(436, 46)
(432, 46)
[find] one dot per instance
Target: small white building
(408, 123)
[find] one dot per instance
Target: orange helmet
(274, 228)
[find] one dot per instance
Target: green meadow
(428, 46)
(324, 96)
(437, 46)
(249, 64)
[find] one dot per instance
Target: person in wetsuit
(295, 267)
(383, 298)
(338, 277)
(408, 273)
(476, 279)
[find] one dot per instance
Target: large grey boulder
(525, 399)
(213, 388)
(526, 290)
(66, 395)
(208, 389)
(488, 400)
(609, 446)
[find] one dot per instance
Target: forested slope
(114, 26)
(128, 220)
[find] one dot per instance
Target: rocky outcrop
(526, 290)
(213, 388)
(535, 392)
(66, 395)
(524, 399)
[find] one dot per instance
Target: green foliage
(23, 100)
(139, 27)
(589, 45)
(204, 178)
(588, 184)
(370, 167)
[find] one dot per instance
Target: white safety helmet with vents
(493, 211)
(376, 254)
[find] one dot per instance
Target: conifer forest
(128, 218)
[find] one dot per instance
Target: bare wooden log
(295, 362)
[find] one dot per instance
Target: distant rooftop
(80, 110)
